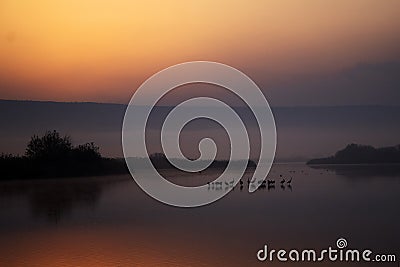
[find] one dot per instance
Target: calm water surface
(109, 221)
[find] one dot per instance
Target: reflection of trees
(56, 201)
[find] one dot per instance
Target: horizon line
(122, 104)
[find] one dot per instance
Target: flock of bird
(269, 184)
(265, 184)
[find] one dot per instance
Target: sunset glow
(102, 50)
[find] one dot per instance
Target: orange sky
(97, 50)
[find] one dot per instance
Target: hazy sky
(300, 52)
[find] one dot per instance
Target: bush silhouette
(87, 151)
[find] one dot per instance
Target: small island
(361, 154)
(53, 155)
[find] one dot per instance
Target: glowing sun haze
(95, 50)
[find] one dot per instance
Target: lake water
(109, 221)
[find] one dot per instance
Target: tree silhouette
(53, 155)
(51, 146)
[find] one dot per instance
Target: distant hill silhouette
(302, 131)
(362, 154)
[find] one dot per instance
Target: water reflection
(360, 170)
(54, 200)
(109, 221)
